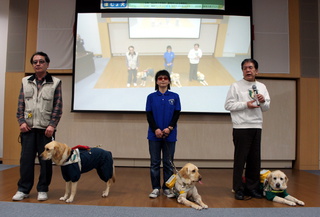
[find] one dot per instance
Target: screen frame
(82, 6)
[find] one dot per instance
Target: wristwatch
(170, 128)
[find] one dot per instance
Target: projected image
(164, 27)
(116, 59)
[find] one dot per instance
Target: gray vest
(38, 104)
(132, 60)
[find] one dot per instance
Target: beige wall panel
(223, 27)
(279, 128)
(32, 31)
(308, 121)
(104, 39)
(11, 146)
(294, 37)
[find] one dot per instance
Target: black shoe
(255, 194)
(239, 195)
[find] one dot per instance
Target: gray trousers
(32, 144)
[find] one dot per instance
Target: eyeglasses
(36, 61)
(247, 67)
(163, 78)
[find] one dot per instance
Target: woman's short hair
(162, 73)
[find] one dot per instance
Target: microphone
(254, 87)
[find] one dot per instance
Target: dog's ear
(269, 177)
(285, 181)
(57, 152)
(184, 172)
(265, 182)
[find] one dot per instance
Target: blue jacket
(95, 158)
(163, 108)
(169, 57)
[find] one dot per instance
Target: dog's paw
(205, 206)
(105, 193)
(62, 198)
(69, 200)
(290, 203)
(301, 203)
(197, 207)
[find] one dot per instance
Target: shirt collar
(47, 78)
(159, 93)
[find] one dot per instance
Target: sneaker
(42, 196)
(128, 85)
(168, 193)
(155, 193)
(135, 84)
(20, 196)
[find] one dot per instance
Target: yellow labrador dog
(79, 160)
(275, 189)
(201, 78)
(175, 79)
(185, 187)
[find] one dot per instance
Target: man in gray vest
(132, 59)
(39, 112)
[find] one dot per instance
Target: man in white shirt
(246, 100)
(194, 57)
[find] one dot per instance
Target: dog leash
(170, 183)
(174, 170)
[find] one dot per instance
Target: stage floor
(133, 186)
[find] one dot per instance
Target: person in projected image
(163, 111)
(132, 59)
(168, 59)
(81, 51)
(246, 100)
(39, 112)
(194, 56)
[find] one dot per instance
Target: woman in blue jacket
(163, 111)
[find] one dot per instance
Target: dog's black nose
(278, 185)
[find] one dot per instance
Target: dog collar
(270, 189)
(277, 192)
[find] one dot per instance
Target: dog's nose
(278, 185)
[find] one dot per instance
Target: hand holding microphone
(254, 87)
(258, 97)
